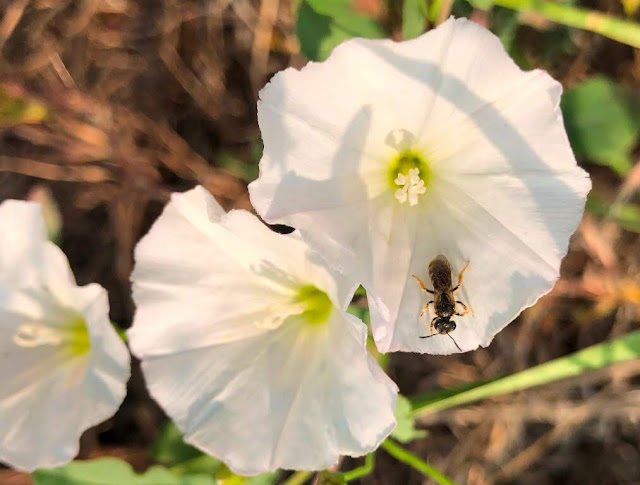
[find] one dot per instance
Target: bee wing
(440, 273)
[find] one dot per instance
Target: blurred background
(107, 106)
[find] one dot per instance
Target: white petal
(56, 275)
(49, 398)
(513, 261)
(295, 398)
(202, 283)
(22, 232)
(494, 138)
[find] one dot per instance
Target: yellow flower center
(315, 303)
(408, 176)
(74, 336)
(79, 342)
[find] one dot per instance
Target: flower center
(409, 175)
(315, 303)
(74, 336)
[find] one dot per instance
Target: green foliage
(110, 471)
(328, 477)
(246, 170)
(323, 24)
(170, 449)
(594, 357)
(625, 31)
(482, 4)
(505, 24)
(362, 471)
(626, 216)
(406, 431)
(601, 123)
(408, 458)
(16, 109)
(414, 18)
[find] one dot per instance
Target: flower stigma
(74, 336)
(409, 176)
(317, 305)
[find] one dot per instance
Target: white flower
(63, 367)
(389, 154)
(245, 344)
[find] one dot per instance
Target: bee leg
(431, 326)
(425, 307)
(423, 287)
(466, 309)
(461, 276)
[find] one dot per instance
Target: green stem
(366, 469)
(624, 31)
(594, 357)
(405, 456)
(298, 478)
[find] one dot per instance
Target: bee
(444, 302)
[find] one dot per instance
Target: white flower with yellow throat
(390, 153)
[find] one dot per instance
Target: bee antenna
(428, 336)
(454, 341)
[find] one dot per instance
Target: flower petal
(225, 282)
(513, 260)
(48, 397)
(23, 233)
(297, 398)
(293, 395)
(493, 138)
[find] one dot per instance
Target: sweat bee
(444, 302)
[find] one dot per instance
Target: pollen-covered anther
(35, 335)
(412, 187)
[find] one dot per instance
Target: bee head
(444, 325)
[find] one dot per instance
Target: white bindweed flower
(63, 367)
(388, 154)
(245, 344)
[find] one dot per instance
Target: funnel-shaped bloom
(245, 344)
(63, 367)
(388, 154)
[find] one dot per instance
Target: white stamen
(401, 195)
(412, 187)
(36, 334)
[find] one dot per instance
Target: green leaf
(597, 206)
(482, 4)
(594, 357)
(628, 217)
(264, 479)
(406, 431)
(169, 448)
(414, 18)
(323, 24)
(601, 123)
(111, 471)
